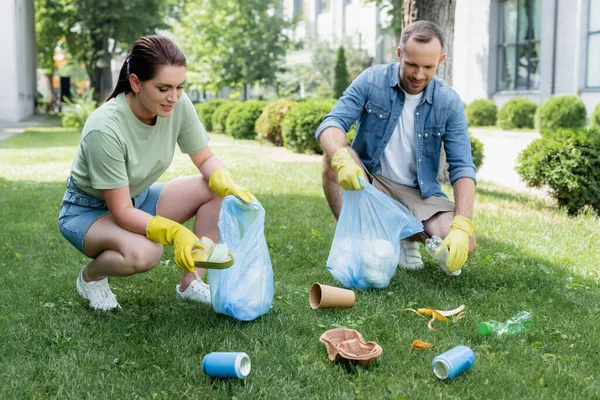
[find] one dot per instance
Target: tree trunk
(101, 78)
(442, 13)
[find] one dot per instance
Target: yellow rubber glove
(171, 233)
(457, 242)
(223, 184)
(348, 170)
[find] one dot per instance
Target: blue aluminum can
(451, 363)
(226, 365)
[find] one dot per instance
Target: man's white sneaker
(98, 293)
(410, 257)
(196, 291)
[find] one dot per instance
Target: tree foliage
(98, 28)
(232, 43)
(341, 81)
(51, 25)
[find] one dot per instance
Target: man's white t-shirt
(399, 159)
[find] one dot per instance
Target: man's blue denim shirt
(376, 100)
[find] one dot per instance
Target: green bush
(242, 118)
(301, 123)
(567, 161)
(268, 125)
(560, 112)
(476, 151)
(206, 110)
(220, 115)
(518, 112)
(77, 111)
(595, 120)
(482, 112)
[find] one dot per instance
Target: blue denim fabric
(376, 100)
(79, 210)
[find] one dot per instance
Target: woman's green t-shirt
(117, 149)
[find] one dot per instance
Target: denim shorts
(79, 210)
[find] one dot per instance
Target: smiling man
(405, 114)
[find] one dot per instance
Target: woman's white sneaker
(98, 293)
(196, 291)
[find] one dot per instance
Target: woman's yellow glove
(222, 183)
(171, 233)
(457, 242)
(348, 170)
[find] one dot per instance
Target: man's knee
(472, 243)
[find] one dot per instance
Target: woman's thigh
(105, 234)
(182, 197)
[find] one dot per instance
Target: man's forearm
(332, 140)
(464, 197)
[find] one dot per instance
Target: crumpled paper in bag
(350, 345)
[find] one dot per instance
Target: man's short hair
(422, 31)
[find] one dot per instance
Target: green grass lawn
(530, 257)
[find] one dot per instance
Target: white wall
(470, 59)
(17, 70)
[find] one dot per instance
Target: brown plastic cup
(323, 296)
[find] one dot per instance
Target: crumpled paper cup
(349, 345)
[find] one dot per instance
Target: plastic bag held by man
(366, 245)
(245, 290)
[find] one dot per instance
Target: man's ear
(398, 53)
(442, 58)
(135, 83)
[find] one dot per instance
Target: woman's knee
(144, 256)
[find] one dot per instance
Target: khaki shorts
(423, 209)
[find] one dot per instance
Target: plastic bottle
(517, 325)
(437, 249)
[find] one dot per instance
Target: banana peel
(438, 314)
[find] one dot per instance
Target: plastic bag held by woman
(245, 290)
(366, 245)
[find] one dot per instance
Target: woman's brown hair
(149, 53)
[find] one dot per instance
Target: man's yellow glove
(168, 232)
(457, 242)
(223, 184)
(348, 170)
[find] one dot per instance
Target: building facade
(527, 48)
(18, 67)
(336, 21)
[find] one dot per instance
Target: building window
(299, 7)
(593, 49)
(322, 6)
(519, 44)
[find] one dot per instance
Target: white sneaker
(196, 291)
(410, 257)
(98, 293)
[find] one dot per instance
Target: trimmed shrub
(220, 115)
(301, 123)
(268, 125)
(567, 161)
(476, 151)
(77, 111)
(350, 135)
(482, 112)
(595, 120)
(560, 112)
(518, 112)
(206, 110)
(242, 118)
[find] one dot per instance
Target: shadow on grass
(43, 137)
